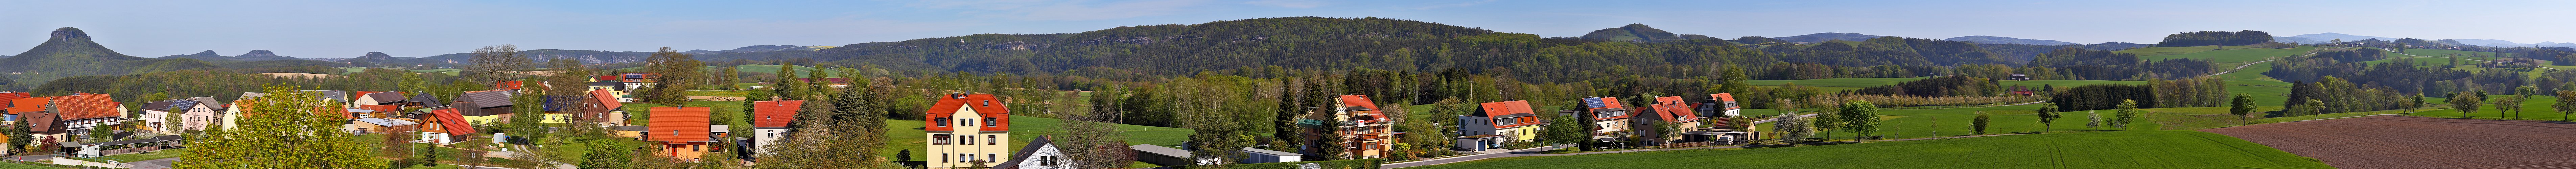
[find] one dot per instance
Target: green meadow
(2122, 149)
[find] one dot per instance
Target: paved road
(155, 163)
(1532, 152)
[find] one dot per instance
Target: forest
(2216, 38)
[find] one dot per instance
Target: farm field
(907, 134)
(2124, 149)
(2418, 142)
(2534, 108)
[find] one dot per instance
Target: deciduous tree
(2243, 104)
(1980, 123)
(2466, 102)
(493, 64)
(2128, 111)
(286, 129)
(1860, 117)
(2048, 112)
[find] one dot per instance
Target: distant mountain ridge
(1982, 39)
(1828, 36)
(1637, 32)
(2331, 36)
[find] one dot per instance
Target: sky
(420, 28)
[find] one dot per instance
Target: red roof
(381, 108)
(985, 107)
(606, 77)
(1500, 109)
(24, 105)
(678, 125)
(449, 120)
(87, 106)
(605, 99)
(1606, 104)
(6, 97)
(1723, 97)
(508, 85)
(774, 113)
(1363, 102)
(1672, 109)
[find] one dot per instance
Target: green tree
(2510, 104)
(2048, 112)
(2525, 91)
(1980, 123)
(2243, 104)
(1826, 121)
(493, 64)
(529, 124)
(1793, 130)
(607, 155)
(1736, 81)
(2466, 102)
(2128, 111)
(2096, 119)
(412, 84)
(787, 84)
(2566, 106)
(18, 135)
(730, 78)
(1567, 130)
(1861, 117)
(281, 130)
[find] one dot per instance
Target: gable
(678, 125)
(454, 124)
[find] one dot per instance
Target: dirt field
(2420, 142)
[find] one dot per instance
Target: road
(2242, 67)
(1533, 152)
(154, 163)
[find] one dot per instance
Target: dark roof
(43, 122)
(1271, 153)
(616, 85)
(427, 100)
(1025, 151)
(488, 98)
(163, 106)
(174, 105)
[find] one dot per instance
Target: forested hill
(68, 52)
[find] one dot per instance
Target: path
(2242, 67)
(1533, 152)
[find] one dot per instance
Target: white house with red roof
(1497, 123)
(966, 128)
(1609, 117)
(445, 126)
(1668, 110)
(769, 121)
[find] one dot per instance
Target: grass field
(2232, 55)
(720, 93)
(2125, 149)
(2535, 108)
(1856, 83)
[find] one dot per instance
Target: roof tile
(678, 125)
(774, 113)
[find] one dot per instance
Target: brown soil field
(2420, 142)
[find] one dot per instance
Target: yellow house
(965, 129)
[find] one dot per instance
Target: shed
(1256, 155)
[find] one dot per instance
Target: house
(603, 108)
(683, 132)
(1497, 123)
(380, 98)
(6, 98)
(561, 109)
(2023, 91)
(1354, 122)
(964, 129)
(485, 107)
(1255, 155)
(381, 125)
(69, 116)
(193, 115)
(615, 89)
(445, 126)
(423, 101)
(1609, 117)
(769, 121)
(2017, 76)
(1667, 110)
(232, 113)
(1039, 154)
(1726, 106)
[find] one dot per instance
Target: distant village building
(1668, 110)
(64, 117)
(1039, 154)
(1354, 123)
(2017, 76)
(445, 126)
(485, 107)
(965, 129)
(682, 132)
(1609, 118)
(1495, 124)
(769, 120)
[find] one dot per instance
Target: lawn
(720, 93)
(2234, 55)
(170, 153)
(907, 134)
(641, 113)
(2535, 108)
(2124, 149)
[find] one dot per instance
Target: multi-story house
(193, 115)
(1354, 123)
(63, 117)
(1496, 123)
(485, 107)
(683, 132)
(769, 121)
(1670, 110)
(445, 125)
(602, 107)
(967, 129)
(1726, 106)
(1609, 117)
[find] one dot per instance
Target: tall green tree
(1735, 80)
(1827, 121)
(2128, 111)
(787, 84)
(1565, 133)
(2243, 104)
(2465, 102)
(1981, 121)
(679, 74)
(2048, 112)
(286, 129)
(2566, 105)
(607, 155)
(2510, 104)
(1861, 117)
(530, 122)
(18, 135)
(412, 84)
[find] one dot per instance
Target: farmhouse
(1496, 123)
(965, 129)
(769, 121)
(1667, 110)
(445, 126)
(602, 108)
(68, 116)
(485, 107)
(1609, 117)
(684, 132)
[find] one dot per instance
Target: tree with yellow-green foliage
(286, 129)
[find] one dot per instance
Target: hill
(2123, 149)
(69, 52)
(2298, 40)
(1982, 39)
(2330, 36)
(1822, 37)
(1637, 32)
(205, 55)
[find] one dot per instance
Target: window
(694, 148)
(992, 139)
(965, 122)
(943, 157)
(1046, 160)
(989, 156)
(943, 122)
(969, 139)
(988, 121)
(939, 139)
(965, 157)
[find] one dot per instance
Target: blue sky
(339, 29)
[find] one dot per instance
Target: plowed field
(2419, 142)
